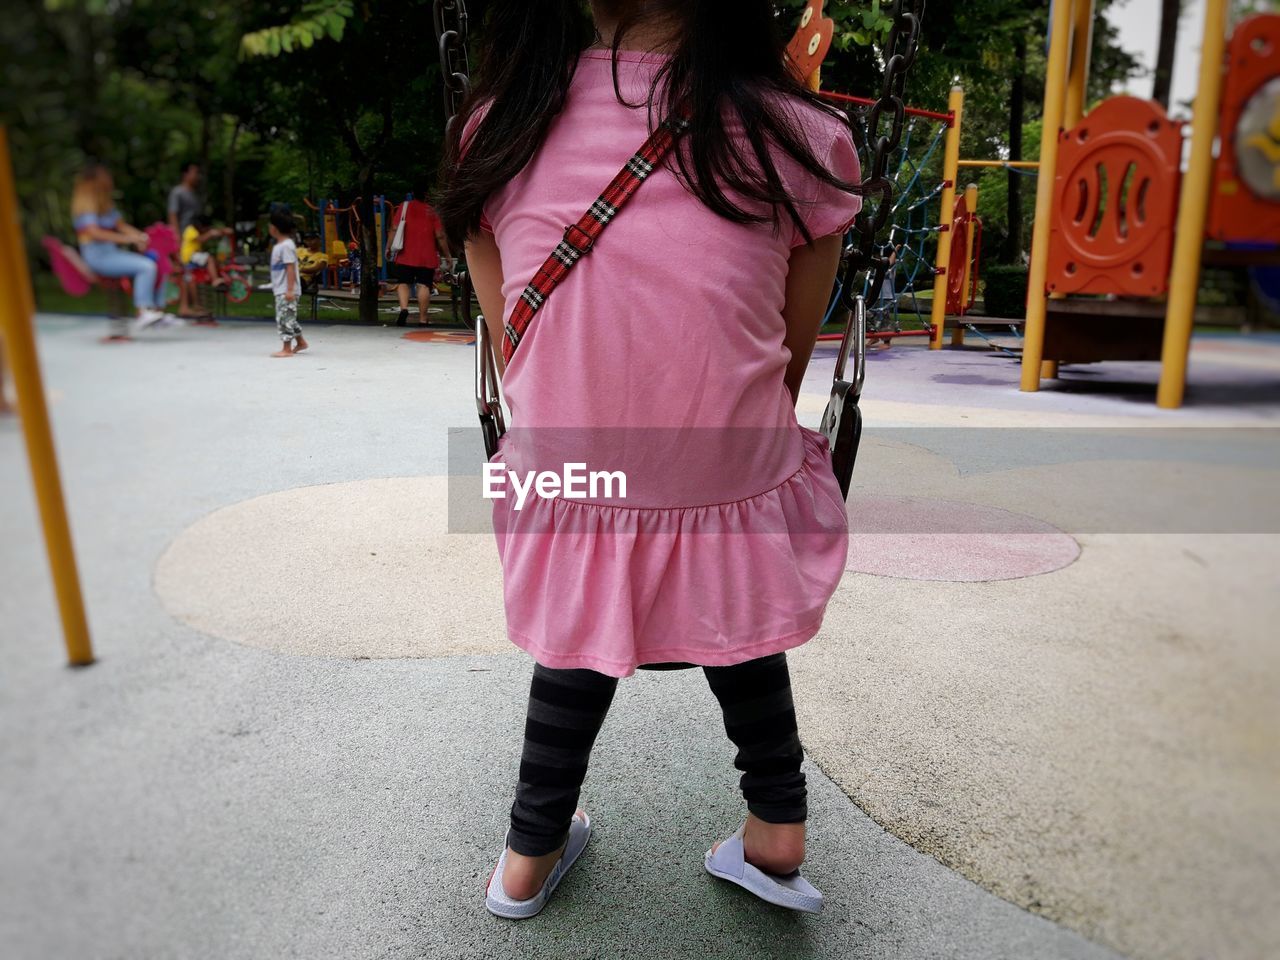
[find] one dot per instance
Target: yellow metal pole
(1193, 209)
(17, 309)
(971, 204)
(1055, 83)
(1078, 71)
(1073, 111)
(950, 173)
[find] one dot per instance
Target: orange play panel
(1115, 201)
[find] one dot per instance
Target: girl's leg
(566, 710)
(111, 261)
(145, 295)
(760, 718)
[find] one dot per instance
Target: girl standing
(673, 354)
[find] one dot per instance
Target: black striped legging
(568, 707)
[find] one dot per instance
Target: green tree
(370, 96)
(995, 50)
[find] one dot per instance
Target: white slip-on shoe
(501, 905)
(147, 318)
(728, 862)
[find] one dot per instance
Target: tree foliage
(326, 18)
(983, 46)
(287, 99)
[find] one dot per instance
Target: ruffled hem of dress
(698, 656)
(609, 588)
(815, 463)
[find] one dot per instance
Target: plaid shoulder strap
(580, 237)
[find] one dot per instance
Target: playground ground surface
(1039, 718)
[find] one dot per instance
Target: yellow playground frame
(17, 311)
(1067, 76)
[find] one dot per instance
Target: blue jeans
(108, 260)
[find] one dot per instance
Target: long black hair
(726, 75)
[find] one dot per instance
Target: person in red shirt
(418, 257)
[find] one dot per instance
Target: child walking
(285, 284)
(673, 354)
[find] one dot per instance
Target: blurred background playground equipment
(934, 240)
(1121, 231)
(235, 269)
(935, 231)
(77, 279)
(913, 223)
(339, 230)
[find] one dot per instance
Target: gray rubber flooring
(187, 798)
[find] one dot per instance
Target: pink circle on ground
(951, 540)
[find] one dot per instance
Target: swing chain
(900, 53)
(450, 18)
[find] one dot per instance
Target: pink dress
(661, 357)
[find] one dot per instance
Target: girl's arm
(122, 234)
(134, 235)
(810, 276)
(485, 265)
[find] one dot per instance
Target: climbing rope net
(915, 168)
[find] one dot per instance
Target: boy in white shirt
(285, 285)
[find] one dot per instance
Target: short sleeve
(289, 253)
(84, 220)
(829, 210)
(174, 203)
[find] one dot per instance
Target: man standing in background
(185, 203)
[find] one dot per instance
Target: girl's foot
(524, 876)
(148, 317)
(403, 318)
(285, 351)
(299, 344)
(776, 848)
(500, 892)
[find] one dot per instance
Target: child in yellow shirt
(194, 257)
